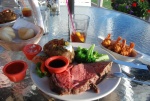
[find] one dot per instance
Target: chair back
(77, 2)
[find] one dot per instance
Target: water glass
(45, 12)
(78, 27)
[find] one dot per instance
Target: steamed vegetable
(89, 55)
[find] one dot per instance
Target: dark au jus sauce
(57, 63)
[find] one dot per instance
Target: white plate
(8, 23)
(106, 86)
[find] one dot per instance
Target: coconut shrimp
(126, 51)
(107, 41)
(117, 46)
(120, 46)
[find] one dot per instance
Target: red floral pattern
(139, 8)
(134, 4)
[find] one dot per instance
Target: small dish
(15, 70)
(56, 64)
(121, 57)
(31, 50)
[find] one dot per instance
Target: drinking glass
(26, 11)
(78, 27)
(45, 12)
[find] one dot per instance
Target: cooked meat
(79, 78)
(7, 16)
(56, 47)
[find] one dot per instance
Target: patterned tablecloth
(102, 22)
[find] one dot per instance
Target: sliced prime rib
(79, 78)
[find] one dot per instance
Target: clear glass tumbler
(78, 27)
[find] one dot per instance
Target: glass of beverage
(26, 12)
(78, 27)
(45, 12)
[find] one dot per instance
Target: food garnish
(78, 37)
(81, 37)
(41, 70)
(83, 55)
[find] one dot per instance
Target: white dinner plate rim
(7, 23)
(81, 96)
(10, 23)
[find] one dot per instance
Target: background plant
(139, 8)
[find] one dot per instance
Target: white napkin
(23, 23)
(36, 12)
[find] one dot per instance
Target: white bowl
(121, 57)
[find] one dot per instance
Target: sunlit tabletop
(102, 22)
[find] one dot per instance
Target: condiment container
(31, 50)
(56, 64)
(15, 70)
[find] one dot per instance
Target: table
(102, 22)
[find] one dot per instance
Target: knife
(131, 64)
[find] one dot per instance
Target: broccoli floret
(83, 55)
(80, 54)
(90, 56)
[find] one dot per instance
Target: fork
(132, 78)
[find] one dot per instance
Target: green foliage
(139, 8)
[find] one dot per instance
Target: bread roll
(9, 31)
(7, 34)
(21, 32)
(5, 37)
(25, 33)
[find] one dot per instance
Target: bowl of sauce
(56, 64)
(15, 70)
(31, 50)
